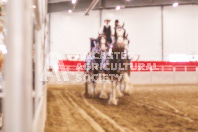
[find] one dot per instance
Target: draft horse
(96, 66)
(119, 66)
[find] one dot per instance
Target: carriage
(102, 59)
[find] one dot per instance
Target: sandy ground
(150, 108)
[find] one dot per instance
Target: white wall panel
(70, 33)
(140, 78)
(186, 77)
(181, 30)
(163, 78)
(144, 28)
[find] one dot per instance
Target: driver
(107, 30)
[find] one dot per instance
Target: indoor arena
(98, 65)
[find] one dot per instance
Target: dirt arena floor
(150, 108)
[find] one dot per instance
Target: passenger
(114, 31)
(116, 23)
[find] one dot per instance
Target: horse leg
(122, 85)
(103, 94)
(112, 99)
(118, 89)
(126, 84)
(93, 89)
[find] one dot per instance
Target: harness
(116, 35)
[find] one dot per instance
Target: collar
(107, 26)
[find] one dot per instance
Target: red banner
(138, 66)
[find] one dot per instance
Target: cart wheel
(86, 89)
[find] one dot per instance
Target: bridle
(103, 42)
(120, 37)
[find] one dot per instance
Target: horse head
(102, 42)
(120, 36)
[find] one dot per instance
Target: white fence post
(18, 68)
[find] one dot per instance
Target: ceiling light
(74, 1)
(118, 8)
(34, 6)
(175, 4)
(4, 1)
(69, 11)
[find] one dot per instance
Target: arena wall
(164, 77)
(180, 30)
(71, 33)
(144, 26)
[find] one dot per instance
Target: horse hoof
(92, 95)
(103, 96)
(113, 102)
(127, 92)
(120, 95)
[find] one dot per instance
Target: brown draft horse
(121, 66)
